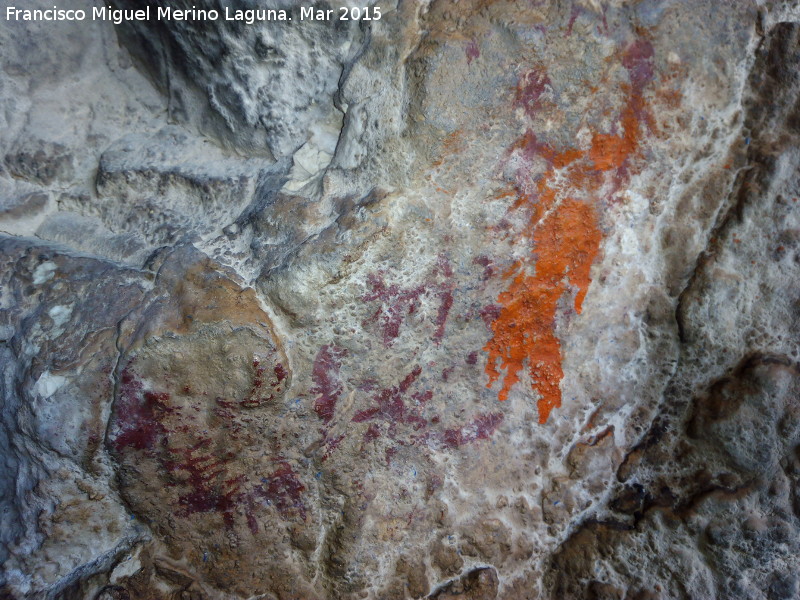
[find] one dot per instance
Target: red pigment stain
(566, 238)
(257, 397)
(638, 60)
(394, 412)
(391, 407)
(284, 490)
(530, 88)
(490, 314)
(576, 11)
(327, 385)
(251, 522)
(446, 373)
(441, 316)
(372, 433)
(397, 303)
(138, 415)
(204, 474)
(486, 263)
(210, 490)
(331, 444)
(472, 51)
(445, 293)
(480, 428)
(227, 411)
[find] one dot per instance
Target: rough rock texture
(486, 299)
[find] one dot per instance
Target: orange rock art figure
(565, 233)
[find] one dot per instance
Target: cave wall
(484, 299)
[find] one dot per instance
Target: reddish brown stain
(530, 88)
(372, 433)
(638, 61)
(576, 12)
(398, 405)
(446, 373)
(284, 490)
(566, 237)
(146, 425)
(396, 303)
(441, 316)
(327, 385)
(280, 373)
(138, 415)
(490, 314)
(206, 477)
(486, 263)
(472, 51)
(480, 428)
(390, 405)
(252, 523)
(258, 397)
(331, 444)
(444, 290)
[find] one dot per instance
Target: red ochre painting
(564, 231)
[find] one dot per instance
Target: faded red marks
(486, 263)
(444, 291)
(200, 473)
(530, 88)
(390, 405)
(472, 51)
(265, 386)
(446, 372)
(490, 314)
(399, 415)
(328, 388)
(397, 303)
(207, 477)
(372, 433)
(566, 236)
(327, 385)
(284, 490)
(580, 11)
(138, 415)
(280, 373)
(331, 443)
(611, 152)
(576, 12)
(638, 61)
(480, 428)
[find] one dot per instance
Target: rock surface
(485, 299)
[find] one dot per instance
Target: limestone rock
(479, 300)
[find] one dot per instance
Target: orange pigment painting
(566, 239)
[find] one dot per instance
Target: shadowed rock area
(477, 300)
